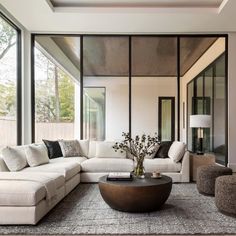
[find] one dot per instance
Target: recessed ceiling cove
(137, 3)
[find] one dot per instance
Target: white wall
(117, 103)
(145, 93)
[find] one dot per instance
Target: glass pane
(153, 76)
(106, 56)
(116, 115)
(166, 120)
(56, 90)
(94, 113)
(219, 111)
(154, 56)
(8, 84)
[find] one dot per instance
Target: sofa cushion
(67, 169)
(26, 189)
(14, 157)
(36, 155)
(163, 149)
(84, 147)
(105, 150)
(162, 165)
(107, 165)
(54, 149)
(176, 151)
(3, 166)
(69, 148)
(92, 148)
(77, 160)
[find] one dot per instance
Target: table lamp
(200, 122)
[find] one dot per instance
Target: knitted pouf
(225, 194)
(206, 176)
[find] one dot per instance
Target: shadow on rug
(83, 211)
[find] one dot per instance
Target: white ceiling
(41, 16)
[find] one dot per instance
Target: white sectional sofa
(33, 191)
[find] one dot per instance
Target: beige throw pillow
(176, 151)
(36, 155)
(14, 157)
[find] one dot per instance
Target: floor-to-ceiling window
(154, 75)
(56, 89)
(10, 104)
(105, 74)
(119, 79)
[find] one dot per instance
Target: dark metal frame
(212, 65)
(129, 36)
(172, 99)
(18, 79)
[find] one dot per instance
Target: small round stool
(225, 194)
(206, 176)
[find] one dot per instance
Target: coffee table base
(135, 199)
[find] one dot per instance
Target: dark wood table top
(137, 182)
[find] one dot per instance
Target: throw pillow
(54, 149)
(155, 150)
(163, 150)
(36, 155)
(69, 148)
(176, 151)
(84, 147)
(106, 150)
(14, 158)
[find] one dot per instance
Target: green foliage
(48, 92)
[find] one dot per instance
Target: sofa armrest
(185, 170)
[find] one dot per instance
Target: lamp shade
(200, 121)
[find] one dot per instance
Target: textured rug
(83, 211)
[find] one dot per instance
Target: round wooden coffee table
(138, 195)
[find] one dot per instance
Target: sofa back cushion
(92, 149)
(14, 157)
(36, 155)
(3, 166)
(105, 150)
(176, 151)
(54, 149)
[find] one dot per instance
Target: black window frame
(178, 77)
(18, 78)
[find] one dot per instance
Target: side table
(199, 160)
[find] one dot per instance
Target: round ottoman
(225, 194)
(206, 176)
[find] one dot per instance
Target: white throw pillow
(14, 158)
(70, 148)
(84, 147)
(176, 151)
(37, 155)
(105, 149)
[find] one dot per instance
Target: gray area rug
(83, 211)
